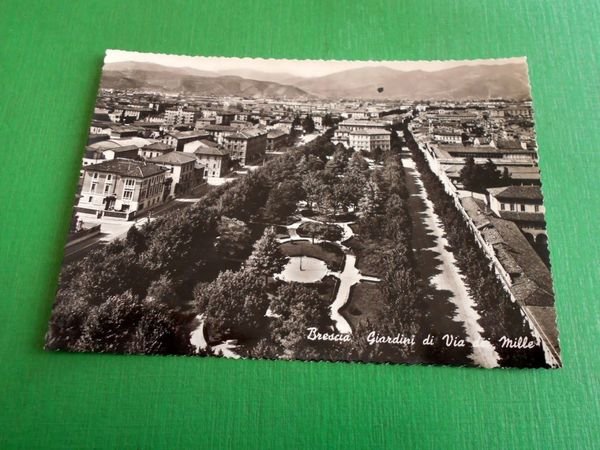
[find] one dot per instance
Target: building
(520, 268)
(276, 139)
(246, 146)
(344, 128)
(215, 161)
(191, 147)
(486, 151)
(369, 139)
(224, 117)
(203, 122)
(122, 132)
(121, 188)
(239, 124)
(284, 125)
(180, 170)
(123, 152)
(154, 150)
(522, 205)
(446, 137)
(180, 116)
(219, 132)
(177, 139)
(318, 121)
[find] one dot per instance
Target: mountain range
(509, 81)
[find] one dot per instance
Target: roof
(482, 149)
(173, 158)
(517, 193)
(509, 144)
(359, 122)
(137, 141)
(219, 128)
(187, 134)
(124, 149)
(247, 133)
(159, 146)
(532, 283)
(212, 151)
(126, 168)
(202, 143)
(273, 134)
(370, 131)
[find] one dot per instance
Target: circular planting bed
(329, 232)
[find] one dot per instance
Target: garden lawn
(364, 303)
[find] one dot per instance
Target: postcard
(364, 211)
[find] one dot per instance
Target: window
(129, 182)
(502, 206)
(93, 187)
(95, 175)
(512, 206)
(522, 208)
(90, 199)
(106, 188)
(109, 177)
(536, 208)
(127, 195)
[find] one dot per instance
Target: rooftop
(212, 151)
(481, 149)
(370, 131)
(532, 283)
(173, 158)
(158, 146)
(517, 193)
(187, 134)
(218, 128)
(126, 168)
(272, 134)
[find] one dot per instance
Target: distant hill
(509, 81)
(458, 83)
(135, 75)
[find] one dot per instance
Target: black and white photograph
(359, 211)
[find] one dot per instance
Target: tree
(310, 163)
(234, 240)
(282, 200)
(110, 325)
(308, 124)
(328, 121)
(312, 185)
(157, 332)
(162, 290)
(505, 179)
(297, 308)
(377, 154)
(66, 324)
(235, 304)
(469, 176)
(266, 258)
(136, 239)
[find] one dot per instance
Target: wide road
(111, 229)
(448, 303)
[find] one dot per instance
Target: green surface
(51, 54)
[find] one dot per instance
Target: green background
(50, 57)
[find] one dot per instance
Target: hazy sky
(303, 68)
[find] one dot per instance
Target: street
(437, 264)
(112, 228)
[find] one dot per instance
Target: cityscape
(385, 212)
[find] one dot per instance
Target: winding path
(348, 277)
